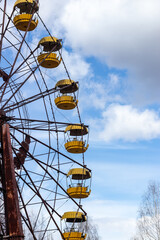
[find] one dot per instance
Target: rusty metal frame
(29, 222)
(35, 139)
(11, 202)
(21, 85)
(27, 101)
(38, 162)
(47, 206)
(35, 190)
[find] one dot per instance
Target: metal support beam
(12, 210)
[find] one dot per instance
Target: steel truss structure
(33, 160)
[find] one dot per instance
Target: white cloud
(114, 79)
(77, 67)
(93, 95)
(95, 26)
(96, 94)
(124, 122)
(122, 33)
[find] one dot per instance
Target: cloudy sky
(112, 48)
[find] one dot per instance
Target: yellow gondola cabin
(76, 140)
(79, 183)
(74, 225)
(66, 98)
(47, 57)
(25, 14)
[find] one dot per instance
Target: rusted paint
(4, 75)
(12, 210)
(22, 153)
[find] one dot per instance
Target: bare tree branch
(148, 224)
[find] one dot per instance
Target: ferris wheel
(43, 174)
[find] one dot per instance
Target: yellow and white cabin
(25, 15)
(78, 179)
(47, 57)
(72, 221)
(75, 138)
(66, 98)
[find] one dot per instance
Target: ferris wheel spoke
(40, 129)
(10, 65)
(3, 92)
(32, 72)
(13, 94)
(2, 86)
(38, 121)
(21, 76)
(16, 44)
(50, 191)
(29, 100)
(40, 209)
(35, 60)
(28, 222)
(50, 101)
(40, 166)
(53, 207)
(21, 85)
(17, 103)
(46, 204)
(22, 41)
(37, 160)
(51, 178)
(19, 41)
(60, 186)
(54, 168)
(25, 60)
(46, 145)
(50, 213)
(36, 192)
(3, 31)
(9, 19)
(5, 67)
(65, 67)
(19, 32)
(57, 170)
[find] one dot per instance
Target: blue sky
(117, 41)
(112, 49)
